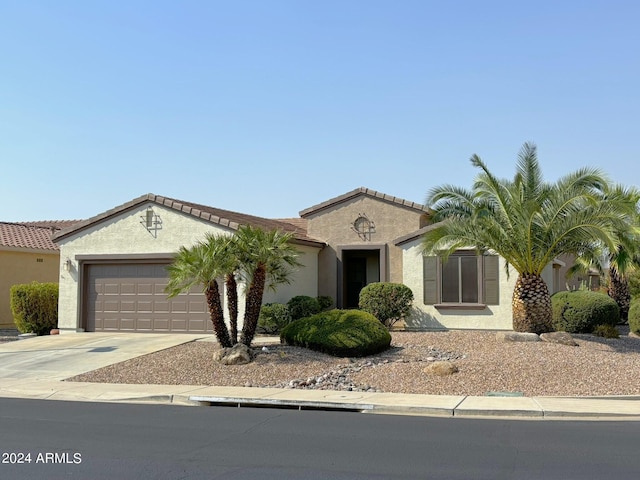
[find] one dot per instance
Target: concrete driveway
(56, 357)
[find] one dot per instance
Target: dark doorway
(360, 268)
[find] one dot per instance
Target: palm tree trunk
(253, 304)
(619, 291)
(232, 300)
(531, 305)
(212, 293)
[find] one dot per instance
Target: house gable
(359, 228)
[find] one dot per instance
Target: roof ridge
(364, 191)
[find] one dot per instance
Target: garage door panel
(196, 306)
(146, 289)
(131, 297)
(111, 305)
(196, 325)
(179, 325)
(144, 324)
(179, 306)
(144, 306)
(110, 323)
(161, 307)
(128, 306)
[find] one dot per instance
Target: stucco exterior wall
(428, 317)
(333, 225)
(20, 267)
(125, 234)
(304, 279)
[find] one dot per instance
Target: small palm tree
(528, 222)
(202, 265)
(265, 259)
(257, 257)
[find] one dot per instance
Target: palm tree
(625, 259)
(265, 259)
(202, 265)
(528, 222)
(257, 257)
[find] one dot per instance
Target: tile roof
(367, 192)
(218, 216)
(31, 235)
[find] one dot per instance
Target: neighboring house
(112, 274)
(27, 254)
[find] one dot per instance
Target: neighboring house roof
(31, 235)
(218, 216)
(366, 192)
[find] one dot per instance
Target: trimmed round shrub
(581, 311)
(634, 316)
(325, 302)
(388, 302)
(303, 306)
(343, 333)
(35, 307)
(273, 318)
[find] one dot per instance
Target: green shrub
(273, 318)
(581, 311)
(606, 331)
(325, 302)
(388, 302)
(343, 333)
(35, 307)
(303, 306)
(633, 279)
(634, 316)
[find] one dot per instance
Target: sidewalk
(35, 369)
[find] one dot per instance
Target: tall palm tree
(265, 259)
(528, 222)
(202, 265)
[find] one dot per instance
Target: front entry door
(355, 280)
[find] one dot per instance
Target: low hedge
(634, 316)
(35, 307)
(581, 311)
(343, 333)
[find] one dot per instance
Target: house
(27, 254)
(112, 273)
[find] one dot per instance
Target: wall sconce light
(67, 265)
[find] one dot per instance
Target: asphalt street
(101, 440)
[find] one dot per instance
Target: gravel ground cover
(596, 367)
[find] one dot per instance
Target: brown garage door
(130, 297)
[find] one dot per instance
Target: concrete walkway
(35, 368)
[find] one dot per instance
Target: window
(464, 279)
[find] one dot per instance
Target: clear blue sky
(269, 107)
